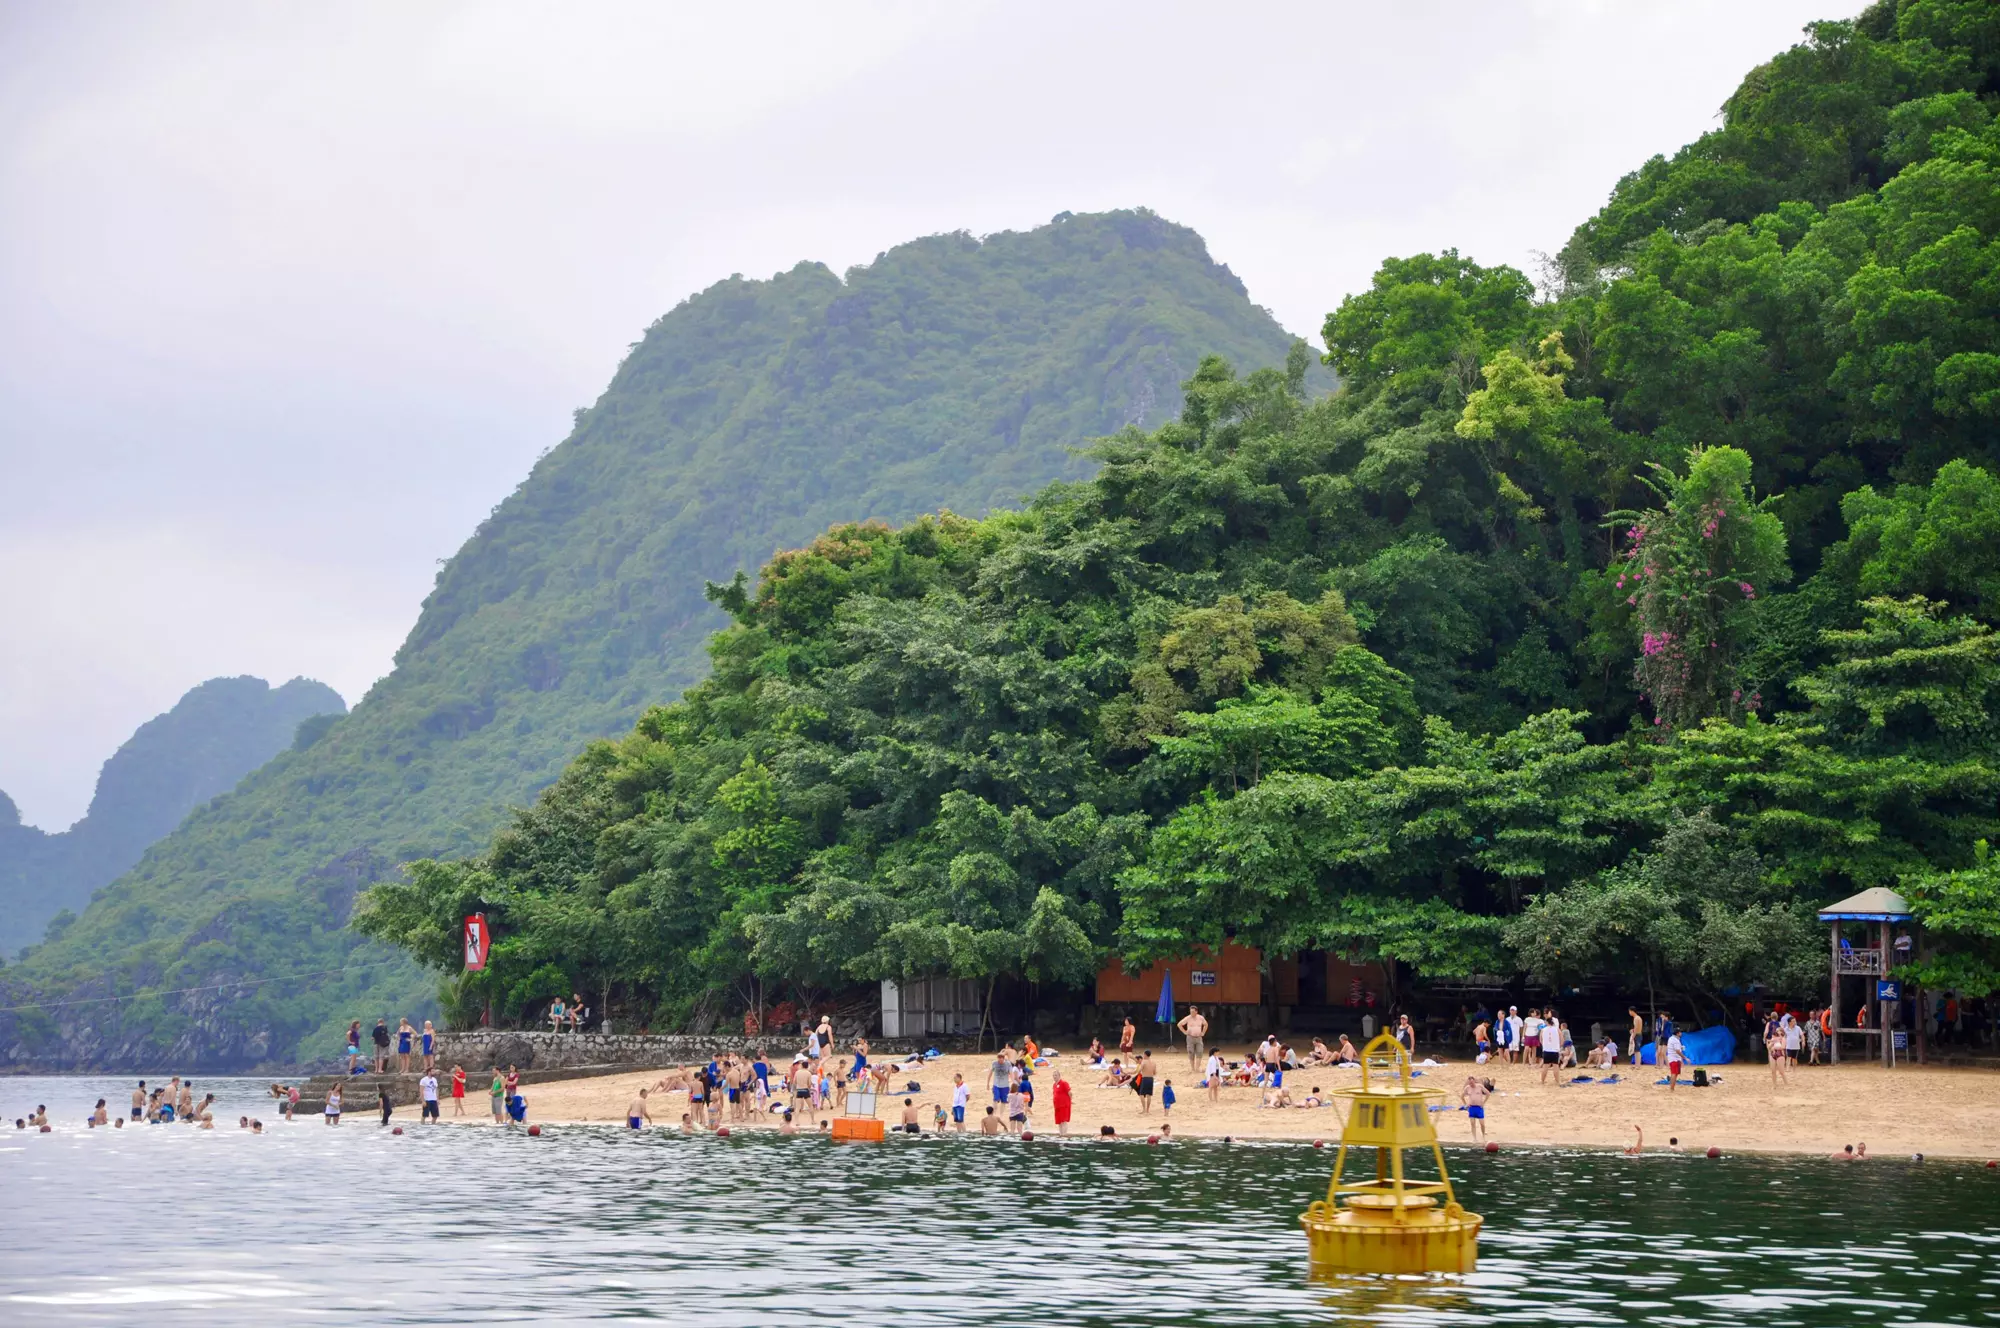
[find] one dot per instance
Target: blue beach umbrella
(1165, 1014)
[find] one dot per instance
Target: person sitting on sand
(1603, 1056)
(1115, 1077)
(1347, 1055)
(1313, 1099)
(1281, 1098)
(1094, 1058)
(1321, 1053)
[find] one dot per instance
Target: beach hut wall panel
(1285, 981)
(926, 1007)
(1230, 978)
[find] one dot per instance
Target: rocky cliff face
(953, 372)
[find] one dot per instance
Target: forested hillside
(216, 734)
(1606, 629)
(950, 373)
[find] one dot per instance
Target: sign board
(1203, 977)
(1888, 990)
(1901, 1040)
(478, 940)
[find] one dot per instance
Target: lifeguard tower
(1879, 910)
(1392, 1223)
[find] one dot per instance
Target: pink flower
(1749, 592)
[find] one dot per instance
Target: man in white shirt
(959, 1096)
(1676, 1053)
(429, 1085)
(1514, 1033)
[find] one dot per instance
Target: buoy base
(1383, 1240)
(858, 1129)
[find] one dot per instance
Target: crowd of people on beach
(1022, 1085)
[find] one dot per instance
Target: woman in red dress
(1062, 1104)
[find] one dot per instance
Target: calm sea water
(170, 1225)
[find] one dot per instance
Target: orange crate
(858, 1129)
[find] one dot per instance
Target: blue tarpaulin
(1708, 1046)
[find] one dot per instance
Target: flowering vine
(1688, 569)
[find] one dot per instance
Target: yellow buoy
(1391, 1224)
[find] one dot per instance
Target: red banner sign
(477, 942)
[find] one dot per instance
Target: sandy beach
(1945, 1113)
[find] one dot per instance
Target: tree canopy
(1606, 625)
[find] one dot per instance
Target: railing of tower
(1386, 1074)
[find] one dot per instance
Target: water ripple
(172, 1225)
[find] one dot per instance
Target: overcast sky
(292, 294)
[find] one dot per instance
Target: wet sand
(1939, 1112)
